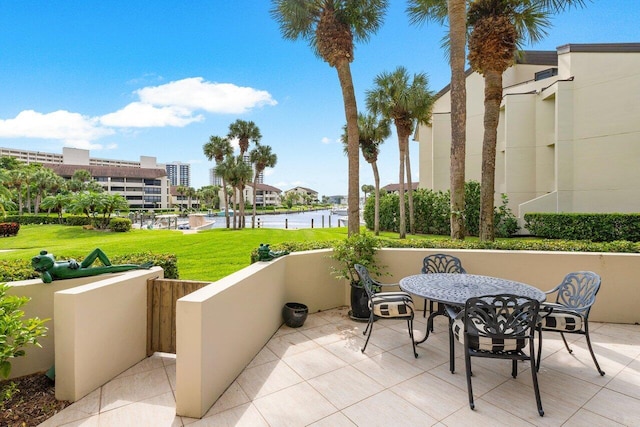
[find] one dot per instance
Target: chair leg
(413, 342)
(514, 368)
(370, 329)
(539, 347)
(467, 363)
(424, 312)
(593, 355)
(452, 349)
(566, 344)
(534, 377)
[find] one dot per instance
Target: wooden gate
(162, 295)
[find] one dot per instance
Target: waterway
(292, 221)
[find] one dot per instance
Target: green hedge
(49, 219)
(597, 227)
(20, 269)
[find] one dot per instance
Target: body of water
(293, 221)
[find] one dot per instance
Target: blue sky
(157, 78)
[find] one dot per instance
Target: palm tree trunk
(457, 38)
(241, 206)
(226, 202)
(351, 113)
(376, 210)
(492, 99)
(255, 184)
(402, 223)
(407, 159)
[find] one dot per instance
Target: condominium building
(179, 173)
(567, 136)
(143, 184)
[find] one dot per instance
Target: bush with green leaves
(16, 333)
(120, 224)
(20, 269)
(597, 227)
(432, 211)
(356, 249)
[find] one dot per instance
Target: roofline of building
(599, 47)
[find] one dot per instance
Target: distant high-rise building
(214, 179)
(179, 173)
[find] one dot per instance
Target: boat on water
(222, 211)
(339, 210)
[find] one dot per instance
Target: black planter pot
(359, 303)
(294, 314)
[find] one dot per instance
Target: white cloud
(326, 140)
(142, 115)
(175, 104)
(74, 129)
(197, 94)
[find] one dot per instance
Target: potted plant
(356, 249)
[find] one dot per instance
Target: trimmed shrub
(120, 224)
(9, 229)
(597, 227)
(20, 269)
(48, 219)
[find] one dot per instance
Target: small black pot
(294, 314)
(359, 303)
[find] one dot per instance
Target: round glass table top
(456, 289)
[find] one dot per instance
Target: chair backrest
(441, 263)
(578, 290)
(501, 316)
(370, 285)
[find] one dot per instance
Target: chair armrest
(386, 285)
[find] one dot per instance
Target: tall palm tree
(246, 132)
(404, 102)
(372, 132)
(217, 149)
(498, 29)
(262, 158)
(331, 27)
(236, 172)
(455, 10)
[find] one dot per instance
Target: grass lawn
(208, 255)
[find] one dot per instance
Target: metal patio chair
(570, 313)
(386, 305)
(499, 327)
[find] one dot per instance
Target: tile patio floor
(316, 376)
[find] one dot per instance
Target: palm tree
(245, 132)
(16, 180)
(330, 27)
(498, 28)
(56, 202)
(235, 172)
(181, 190)
(372, 133)
(217, 149)
(396, 98)
(262, 158)
(455, 10)
(190, 193)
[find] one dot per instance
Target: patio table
(452, 290)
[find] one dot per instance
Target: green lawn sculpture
(266, 254)
(50, 269)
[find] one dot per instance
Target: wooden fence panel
(162, 296)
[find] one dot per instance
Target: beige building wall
(566, 143)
